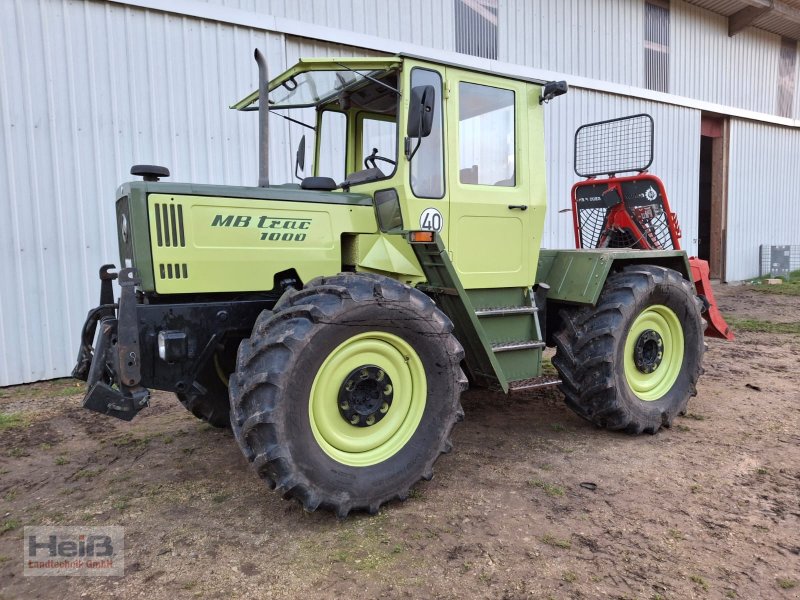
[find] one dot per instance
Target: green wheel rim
(655, 385)
(364, 446)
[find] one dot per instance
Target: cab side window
(332, 150)
(486, 135)
(427, 166)
(381, 135)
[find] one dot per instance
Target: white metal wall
(86, 90)
(763, 206)
(707, 64)
(676, 156)
(591, 38)
(427, 23)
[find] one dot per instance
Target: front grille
(169, 225)
(173, 270)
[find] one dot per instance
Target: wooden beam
(742, 19)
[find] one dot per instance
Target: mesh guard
(615, 146)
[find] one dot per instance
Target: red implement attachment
(717, 327)
(633, 212)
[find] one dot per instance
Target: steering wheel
(373, 157)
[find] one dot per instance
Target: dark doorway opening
(712, 193)
(704, 196)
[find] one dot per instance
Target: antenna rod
(263, 120)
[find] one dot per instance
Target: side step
(498, 327)
(505, 311)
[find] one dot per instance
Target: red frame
(618, 215)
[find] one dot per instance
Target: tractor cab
(437, 147)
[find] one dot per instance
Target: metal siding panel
(751, 55)
(762, 195)
(676, 157)
(420, 22)
(96, 88)
(577, 37)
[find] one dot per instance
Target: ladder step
(511, 346)
(534, 383)
(434, 289)
(503, 311)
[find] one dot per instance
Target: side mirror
(552, 89)
(420, 111)
(300, 159)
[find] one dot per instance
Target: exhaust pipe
(263, 120)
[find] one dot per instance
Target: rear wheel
(345, 395)
(632, 362)
(211, 404)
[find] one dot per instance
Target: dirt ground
(707, 509)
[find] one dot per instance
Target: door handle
(518, 206)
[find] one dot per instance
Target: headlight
(171, 346)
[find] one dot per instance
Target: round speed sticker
(431, 220)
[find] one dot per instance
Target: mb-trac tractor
(334, 323)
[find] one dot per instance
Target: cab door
(490, 225)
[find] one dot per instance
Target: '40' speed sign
(431, 220)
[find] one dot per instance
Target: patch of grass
(11, 495)
(131, 441)
(569, 576)
(762, 470)
(759, 326)
(699, 582)
(17, 452)
(9, 525)
(44, 389)
(45, 446)
(787, 584)
(696, 487)
(547, 367)
(675, 534)
(12, 421)
(730, 594)
(551, 540)
(62, 460)
(557, 427)
(220, 498)
(790, 285)
(4, 559)
(695, 416)
(552, 490)
(416, 494)
(88, 474)
(682, 428)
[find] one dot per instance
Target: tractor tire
(212, 406)
(345, 395)
(632, 362)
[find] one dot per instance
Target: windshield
(313, 88)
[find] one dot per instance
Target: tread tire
(590, 350)
(269, 392)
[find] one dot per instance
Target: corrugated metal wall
(591, 38)
(424, 22)
(706, 64)
(763, 205)
(86, 90)
(676, 156)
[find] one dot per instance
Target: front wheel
(345, 395)
(632, 362)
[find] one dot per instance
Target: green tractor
(334, 323)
